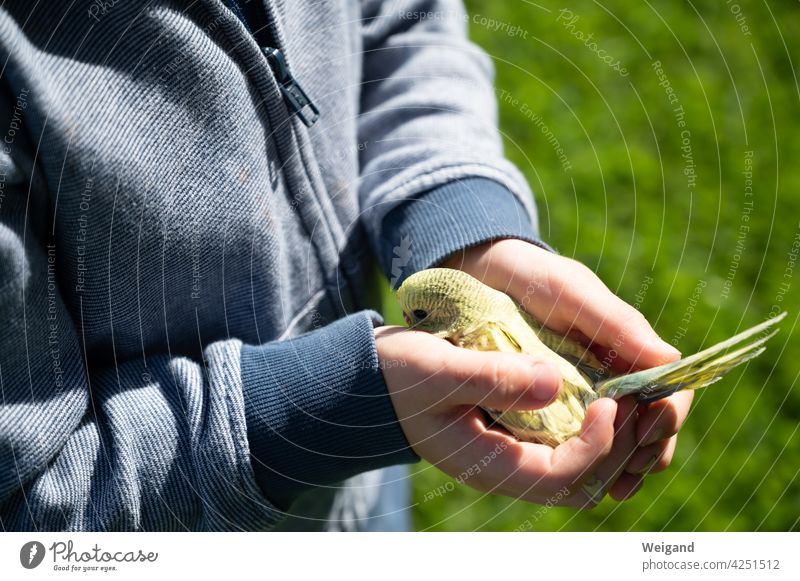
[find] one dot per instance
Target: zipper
(268, 38)
(294, 96)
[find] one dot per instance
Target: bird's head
(445, 302)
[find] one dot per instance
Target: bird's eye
(419, 314)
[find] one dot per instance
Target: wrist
(317, 409)
(389, 358)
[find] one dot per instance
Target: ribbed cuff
(422, 232)
(318, 410)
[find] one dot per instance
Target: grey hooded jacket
(184, 262)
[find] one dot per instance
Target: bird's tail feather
(693, 372)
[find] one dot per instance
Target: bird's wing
(562, 345)
(528, 426)
(491, 336)
(577, 354)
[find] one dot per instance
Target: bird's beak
(446, 337)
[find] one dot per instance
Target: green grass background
(625, 209)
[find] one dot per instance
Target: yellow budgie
(455, 306)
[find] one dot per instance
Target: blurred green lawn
(622, 204)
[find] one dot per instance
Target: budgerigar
(455, 306)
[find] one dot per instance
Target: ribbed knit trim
(420, 233)
(317, 409)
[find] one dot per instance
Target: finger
(662, 419)
(626, 487)
(624, 447)
(522, 471)
(503, 465)
(645, 458)
(504, 381)
(496, 462)
(574, 461)
(665, 459)
(576, 298)
(460, 440)
(608, 320)
(611, 359)
(653, 458)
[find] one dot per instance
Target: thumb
(503, 381)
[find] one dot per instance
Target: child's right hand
(437, 389)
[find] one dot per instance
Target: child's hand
(435, 392)
(567, 296)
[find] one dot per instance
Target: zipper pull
(294, 95)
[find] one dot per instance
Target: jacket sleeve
(433, 176)
(220, 443)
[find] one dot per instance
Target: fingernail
(652, 438)
(649, 466)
